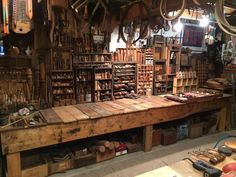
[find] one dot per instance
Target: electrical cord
(188, 159)
(224, 137)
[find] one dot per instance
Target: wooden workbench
(68, 123)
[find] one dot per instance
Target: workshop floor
(139, 162)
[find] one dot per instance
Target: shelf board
(62, 78)
(124, 75)
(62, 93)
(94, 53)
(91, 62)
(62, 86)
(103, 79)
(85, 81)
(103, 68)
(61, 71)
(103, 90)
(123, 62)
(159, 60)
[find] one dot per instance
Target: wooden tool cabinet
(69, 123)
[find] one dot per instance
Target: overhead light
(204, 22)
(178, 26)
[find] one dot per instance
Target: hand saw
(22, 16)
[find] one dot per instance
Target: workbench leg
(147, 137)
(223, 119)
(13, 165)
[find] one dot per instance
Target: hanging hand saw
(22, 16)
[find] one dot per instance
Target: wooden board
(118, 106)
(113, 110)
(133, 107)
(64, 114)
(14, 165)
(88, 111)
(76, 113)
(96, 107)
(161, 172)
(161, 101)
(50, 116)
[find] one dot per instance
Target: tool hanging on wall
(5, 12)
(22, 16)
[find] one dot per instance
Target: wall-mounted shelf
(124, 79)
(144, 79)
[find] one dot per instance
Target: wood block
(109, 154)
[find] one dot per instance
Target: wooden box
(169, 136)
(34, 166)
(36, 171)
(133, 147)
(156, 137)
(195, 130)
(82, 157)
(109, 154)
(59, 166)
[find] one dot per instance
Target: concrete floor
(140, 162)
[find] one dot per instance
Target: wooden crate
(169, 136)
(156, 137)
(61, 166)
(34, 166)
(37, 171)
(109, 154)
(82, 157)
(195, 130)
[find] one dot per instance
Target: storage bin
(82, 157)
(156, 137)
(195, 130)
(169, 136)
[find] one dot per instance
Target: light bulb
(204, 22)
(178, 26)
